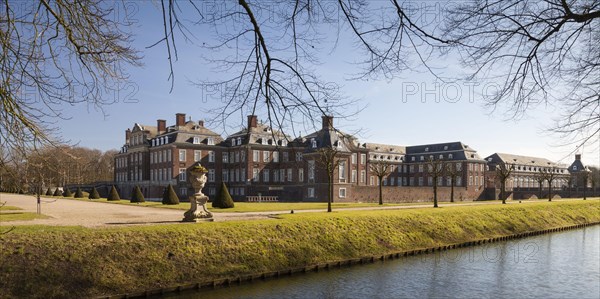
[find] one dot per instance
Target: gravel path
(68, 212)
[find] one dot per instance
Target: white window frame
(342, 193)
(182, 155)
(182, 175)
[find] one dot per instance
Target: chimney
(252, 121)
(201, 123)
(161, 125)
(127, 135)
(327, 121)
(577, 157)
(180, 119)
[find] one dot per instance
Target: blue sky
(402, 111)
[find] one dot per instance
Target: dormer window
(165, 140)
(412, 159)
(196, 140)
(239, 141)
(210, 141)
(574, 167)
(445, 147)
(313, 143)
(426, 149)
(153, 142)
(450, 156)
(232, 141)
(422, 158)
(441, 157)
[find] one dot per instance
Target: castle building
(260, 163)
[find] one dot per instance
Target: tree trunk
(452, 191)
(549, 190)
(435, 201)
(380, 191)
(330, 195)
(502, 193)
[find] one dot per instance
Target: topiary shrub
(94, 194)
(113, 194)
(169, 196)
(136, 195)
(49, 192)
(67, 192)
(57, 192)
(223, 200)
(78, 193)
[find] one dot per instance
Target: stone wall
(413, 194)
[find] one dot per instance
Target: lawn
(10, 213)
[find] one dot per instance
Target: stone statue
(198, 200)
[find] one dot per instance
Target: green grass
(7, 217)
(42, 261)
(9, 208)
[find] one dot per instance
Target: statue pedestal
(198, 211)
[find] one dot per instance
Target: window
(241, 191)
(412, 159)
(289, 174)
(440, 181)
(255, 155)
(210, 141)
(313, 143)
(211, 175)
(411, 181)
(448, 181)
(470, 168)
(169, 174)
(181, 156)
(441, 157)
(212, 191)
(225, 158)
(243, 175)
(301, 175)
(197, 155)
(266, 175)
(232, 157)
(458, 166)
(275, 175)
(265, 156)
(429, 181)
(342, 171)
(574, 167)
(298, 157)
(286, 156)
(182, 175)
(196, 140)
(450, 156)
(470, 180)
(276, 157)
(183, 191)
(392, 180)
(372, 180)
(353, 176)
(255, 174)
(420, 181)
(363, 159)
(363, 176)
(234, 175)
(242, 156)
(403, 181)
(310, 192)
(225, 175)
(385, 181)
(239, 141)
(420, 167)
(211, 156)
(342, 193)
(422, 158)
(282, 175)
(354, 156)
(168, 158)
(458, 181)
(311, 170)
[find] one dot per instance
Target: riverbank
(39, 261)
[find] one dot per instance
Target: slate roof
(459, 150)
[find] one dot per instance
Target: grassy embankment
(40, 261)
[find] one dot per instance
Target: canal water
(558, 265)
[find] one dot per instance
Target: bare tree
(452, 170)
(535, 52)
(56, 53)
(585, 175)
(540, 178)
(381, 169)
(503, 172)
(329, 160)
(435, 170)
(550, 174)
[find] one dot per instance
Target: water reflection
(558, 265)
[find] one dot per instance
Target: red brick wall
(411, 194)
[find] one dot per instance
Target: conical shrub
(94, 194)
(57, 192)
(78, 193)
(136, 195)
(169, 196)
(223, 200)
(67, 193)
(49, 192)
(113, 194)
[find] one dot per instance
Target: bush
(136, 195)
(78, 193)
(169, 196)
(49, 192)
(67, 193)
(223, 200)
(57, 192)
(113, 194)
(94, 194)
